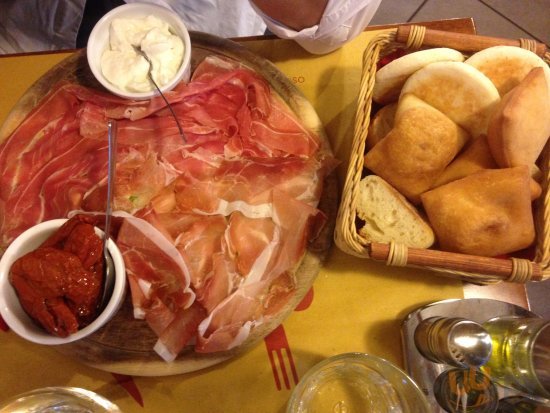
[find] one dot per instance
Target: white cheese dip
(126, 69)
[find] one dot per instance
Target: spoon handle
(140, 52)
(169, 107)
(112, 142)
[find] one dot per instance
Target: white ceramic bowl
(10, 308)
(357, 382)
(98, 42)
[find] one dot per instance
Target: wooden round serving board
(125, 345)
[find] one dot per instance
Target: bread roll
(389, 216)
(408, 101)
(487, 213)
(520, 127)
(417, 150)
(507, 66)
(380, 125)
(475, 157)
(390, 78)
(535, 189)
(458, 90)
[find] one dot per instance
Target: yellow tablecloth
(357, 305)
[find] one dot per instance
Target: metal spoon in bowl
(109, 270)
(150, 76)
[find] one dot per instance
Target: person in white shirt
(319, 26)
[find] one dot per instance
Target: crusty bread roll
(476, 156)
(536, 173)
(535, 189)
(390, 78)
(507, 66)
(487, 213)
(408, 101)
(388, 216)
(458, 90)
(520, 126)
(416, 151)
(380, 125)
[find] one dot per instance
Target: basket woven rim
(352, 242)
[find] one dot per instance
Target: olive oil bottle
(519, 358)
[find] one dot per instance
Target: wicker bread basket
(479, 270)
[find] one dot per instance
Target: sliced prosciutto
(155, 269)
(244, 185)
(213, 228)
(281, 242)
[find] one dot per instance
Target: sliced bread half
(388, 216)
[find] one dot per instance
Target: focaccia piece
(475, 157)
(381, 124)
(507, 66)
(417, 150)
(458, 90)
(520, 127)
(487, 213)
(390, 78)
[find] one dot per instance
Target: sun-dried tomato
(59, 284)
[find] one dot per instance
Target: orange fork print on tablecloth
(280, 354)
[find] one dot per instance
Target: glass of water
(57, 400)
(356, 382)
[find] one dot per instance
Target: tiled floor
(513, 19)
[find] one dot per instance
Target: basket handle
(512, 270)
(415, 36)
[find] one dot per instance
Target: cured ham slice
(230, 322)
(179, 332)
(250, 242)
(155, 268)
(240, 104)
(243, 185)
(55, 110)
(199, 240)
(51, 188)
(119, 108)
(212, 229)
